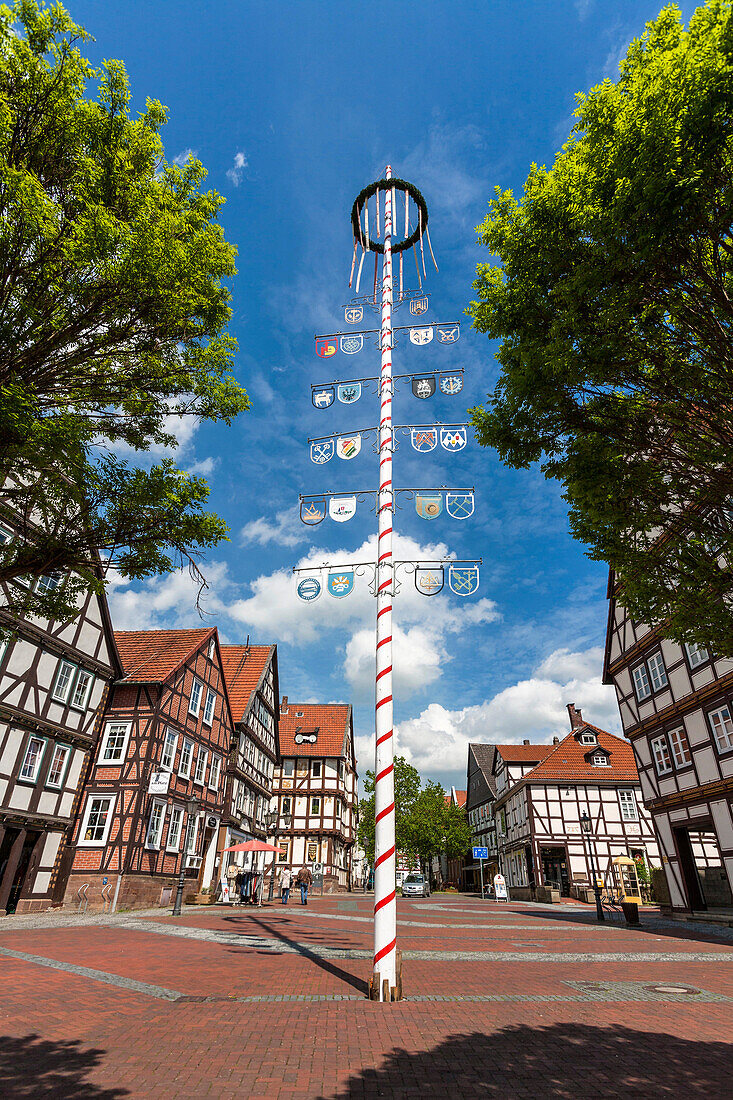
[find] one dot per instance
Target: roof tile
(330, 719)
(151, 656)
(568, 761)
(243, 666)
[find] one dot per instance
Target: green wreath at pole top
(388, 185)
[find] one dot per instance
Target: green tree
(407, 789)
(613, 301)
(113, 318)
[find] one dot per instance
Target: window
(184, 764)
(201, 761)
(680, 748)
(316, 769)
(315, 805)
(174, 830)
(284, 846)
(599, 760)
(628, 805)
(657, 671)
(47, 583)
(662, 760)
(32, 759)
(301, 766)
(59, 763)
(215, 772)
(97, 820)
(588, 738)
(288, 769)
(286, 804)
(169, 751)
(313, 852)
(155, 825)
(641, 683)
(696, 654)
(115, 742)
(209, 707)
(82, 689)
(194, 702)
(722, 725)
(62, 684)
(192, 828)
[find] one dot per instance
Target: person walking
(286, 879)
(304, 880)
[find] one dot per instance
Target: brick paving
(515, 1000)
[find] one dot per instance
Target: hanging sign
(322, 451)
(348, 446)
(449, 335)
(453, 439)
(423, 387)
(313, 512)
(349, 392)
(424, 439)
(429, 581)
(309, 589)
(418, 306)
(351, 344)
(429, 505)
(342, 508)
(459, 505)
(322, 398)
(451, 384)
(463, 579)
(324, 348)
(159, 782)
(421, 335)
(341, 584)
(353, 314)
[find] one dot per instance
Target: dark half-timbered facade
(154, 798)
(53, 682)
(676, 705)
(480, 798)
(315, 790)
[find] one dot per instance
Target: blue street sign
(481, 853)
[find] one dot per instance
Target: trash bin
(631, 912)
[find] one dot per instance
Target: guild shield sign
(353, 314)
(429, 505)
(451, 383)
(313, 512)
(459, 505)
(449, 335)
(429, 581)
(349, 392)
(424, 439)
(421, 335)
(322, 451)
(342, 508)
(325, 348)
(423, 387)
(322, 398)
(351, 344)
(463, 579)
(453, 439)
(348, 446)
(418, 306)
(340, 584)
(309, 589)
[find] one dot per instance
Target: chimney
(284, 704)
(556, 740)
(526, 741)
(576, 716)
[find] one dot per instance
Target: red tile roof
(243, 667)
(460, 798)
(570, 760)
(523, 754)
(151, 656)
(331, 719)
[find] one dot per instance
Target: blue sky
(293, 107)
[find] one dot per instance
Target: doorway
(14, 865)
(704, 875)
(555, 869)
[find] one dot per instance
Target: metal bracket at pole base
(380, 989)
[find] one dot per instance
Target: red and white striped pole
(384, 979)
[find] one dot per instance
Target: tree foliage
(612, 299)
(113, 318)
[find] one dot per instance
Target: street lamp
(192, 807)
(271, 822)
(587, 825)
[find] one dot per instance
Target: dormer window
(599, 760)
(588, 738)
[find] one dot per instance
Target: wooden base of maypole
(387, 994)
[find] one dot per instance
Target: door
(24, 866)
(693, 889)
(555, 869)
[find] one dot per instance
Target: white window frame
(599, 760)
(63, 697)
(190, 849)
(102, 760)
(723, 732)
(209, 714)
(288, 764)
(102, 796)
(67, 761)
(176, 815)
(316, 798)
(679, 744)
(657, 671)
(187, 742)
(642, 686)
(627, 802)
(316, 764)
(84, 701)
(203, 755)
(47, 582)
(659, 756)
(153, 841)
(588, 739)
(214, 772)
(194, 703)
(169, 733)
(32, 779)
(695, 654)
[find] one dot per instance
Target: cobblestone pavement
(515, 1000)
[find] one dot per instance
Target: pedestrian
(304, 879)
(286, 879)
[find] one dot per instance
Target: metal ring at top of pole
(392, 184)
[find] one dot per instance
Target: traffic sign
(481, 853)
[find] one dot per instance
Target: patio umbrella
(252, 846)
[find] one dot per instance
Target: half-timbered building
(480, 798)
(315, 790)
(676, 705)
(53, 682)
(543, 791)
(154, 797)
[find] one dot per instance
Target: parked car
(416, 886)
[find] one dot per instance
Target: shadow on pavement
(32, 1068)
(652, 925)
(562, 1060)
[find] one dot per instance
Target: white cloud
(205, 467)
(183, 156)
(285, 529)
(234, 175)
(168, 601)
